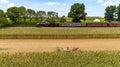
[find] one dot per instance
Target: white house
(96, 20)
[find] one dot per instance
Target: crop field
(39, 53)
(39, 47)
(61, 59)
(59, 33)
(27, 53)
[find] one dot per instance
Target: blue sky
(93, 7)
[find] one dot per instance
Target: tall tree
(118, 12)
(30, 14)
(22, 13)
(13, 13)
(110, 13)
(2, 14)
(52, 16)
(3, 19)
(77, 12)
(40, 15)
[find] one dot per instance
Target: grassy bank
(59, 33)
(65, 59)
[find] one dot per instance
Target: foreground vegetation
(65, 59)
(63, 33)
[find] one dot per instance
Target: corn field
(61, 59)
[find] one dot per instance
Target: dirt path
(48, 45)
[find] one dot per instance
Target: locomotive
(78, 24)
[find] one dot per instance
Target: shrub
(3, 22)
(62, 19)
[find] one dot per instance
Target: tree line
(112, 13)
(21, 15)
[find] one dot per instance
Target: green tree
(22, 13)
(40, 15)
(3, 19)
(30, 14)
(52, 16)
(110, 13)
(13, 13)
(62, 19)
(118, 12)
(77, 12)
(2, 14)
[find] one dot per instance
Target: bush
(62, 19)
(4, 22)
(9, 22)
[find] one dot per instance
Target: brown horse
(62, 49)
(75, 49)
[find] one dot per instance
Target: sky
(93, 7)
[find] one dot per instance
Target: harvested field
(49, 45)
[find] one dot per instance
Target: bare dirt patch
(49, 45)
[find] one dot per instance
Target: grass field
(64, 59)
(88, 19)
(65, 33)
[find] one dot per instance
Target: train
(100, 24)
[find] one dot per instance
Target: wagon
(97, 24)
(72, 24)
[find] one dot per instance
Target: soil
(50, 45)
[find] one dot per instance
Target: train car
(53, 25)
(72, 24)
(114, 24)
(47, 24)
(42, 25)
(97, 25)
(78, 24)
